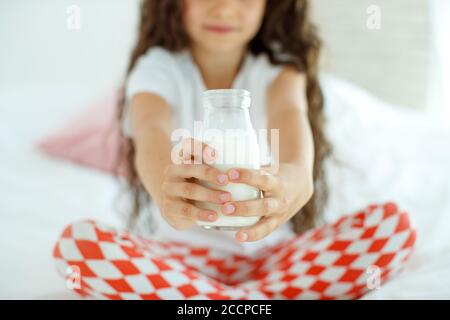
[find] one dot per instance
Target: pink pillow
(91, 139)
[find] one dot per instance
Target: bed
(390, 153)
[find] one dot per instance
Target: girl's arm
(288, 111)
(152, 124)
(287, 190)
(164, 180)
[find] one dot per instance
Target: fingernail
(211, 217)
(210, 153)
(229, 208)
(224, 197)
(243, 236)
(234, 174)
(222, 178)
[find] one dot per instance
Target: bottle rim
(227, 92)
(227, 98)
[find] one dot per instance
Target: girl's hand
(180, 190)
(284, 195)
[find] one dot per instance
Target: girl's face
(222, 25)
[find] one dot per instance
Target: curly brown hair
(287, 37)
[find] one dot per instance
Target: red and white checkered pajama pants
(335, 261)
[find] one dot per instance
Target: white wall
(391, 62)
(439, 100)
(38, 48)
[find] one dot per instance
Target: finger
(199, 171)
(190, 211)
(254, 177)
(269, 168)
(194, 191)
(168, 212)
(264, 227)
(180, 210)
(258, 207)
(193, 149)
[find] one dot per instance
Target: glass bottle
(228, 129)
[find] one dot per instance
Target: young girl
(270, 48)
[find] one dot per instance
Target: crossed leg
(336, 261)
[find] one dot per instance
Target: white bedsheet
(395, 155)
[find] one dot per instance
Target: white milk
(238, 151)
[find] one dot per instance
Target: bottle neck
(227, 109)
(223, 118)
(228, 127)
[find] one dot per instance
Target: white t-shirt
(176, 78)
